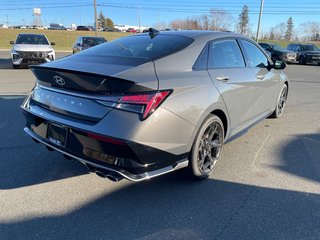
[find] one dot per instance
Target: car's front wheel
(281, 103)
(302, 60)
(207, 146)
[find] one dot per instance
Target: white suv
(31, 49)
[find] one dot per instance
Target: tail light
(142, 103)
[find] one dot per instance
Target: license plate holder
(57, 134)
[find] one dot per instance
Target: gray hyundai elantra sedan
(144, 105)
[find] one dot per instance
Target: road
(17, 81)
(266, 186)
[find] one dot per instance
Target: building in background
(124, 28)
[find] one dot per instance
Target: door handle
(222, 78)
(260, 77)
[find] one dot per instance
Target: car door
(234, 81)
(267, 79)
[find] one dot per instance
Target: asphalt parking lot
(266, 186)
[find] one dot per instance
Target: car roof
(198, 34)
(304, 44)
(90, 37)
(30, 34)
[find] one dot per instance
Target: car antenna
(153, 32)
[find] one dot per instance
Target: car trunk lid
(90, 82)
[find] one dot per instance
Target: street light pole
(260, 15)
(95, 18)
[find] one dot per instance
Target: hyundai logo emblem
(59, 80)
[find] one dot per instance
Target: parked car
(306, 53)
(56, 26)
(31, 49)
(279, 53)
(83, 43)
(144, 105)
(83, 28)
(131, 30)
(108, 29)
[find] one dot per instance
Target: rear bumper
(124, 156)
(103, 167)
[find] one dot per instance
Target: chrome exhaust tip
(114, 177)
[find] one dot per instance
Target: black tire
(15, 66)
(302, 60)
(207, 147)
(281, 102)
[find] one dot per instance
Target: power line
(64, 6)
(232, 11)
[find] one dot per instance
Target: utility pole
(139, 19)
(260, 15)
(95, 17)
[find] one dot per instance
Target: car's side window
(225, 54)
(265, 47)
(201, 63)
(256, 57)
(295, 48)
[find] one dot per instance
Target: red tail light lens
(144, 103)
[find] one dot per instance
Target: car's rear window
(141, 46)
(92, 41)
(32, 39)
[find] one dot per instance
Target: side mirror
(279, 65)
(11, 42)
(53, 43)
(79, 44)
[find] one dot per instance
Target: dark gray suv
(144, 105)
(306, 53)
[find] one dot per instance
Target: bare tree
(160, 25)
(310, 30)
(278, 31)
(188, 23)
(204, 22)
(219, 20)
(271, 34)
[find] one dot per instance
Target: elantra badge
(59, 80)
